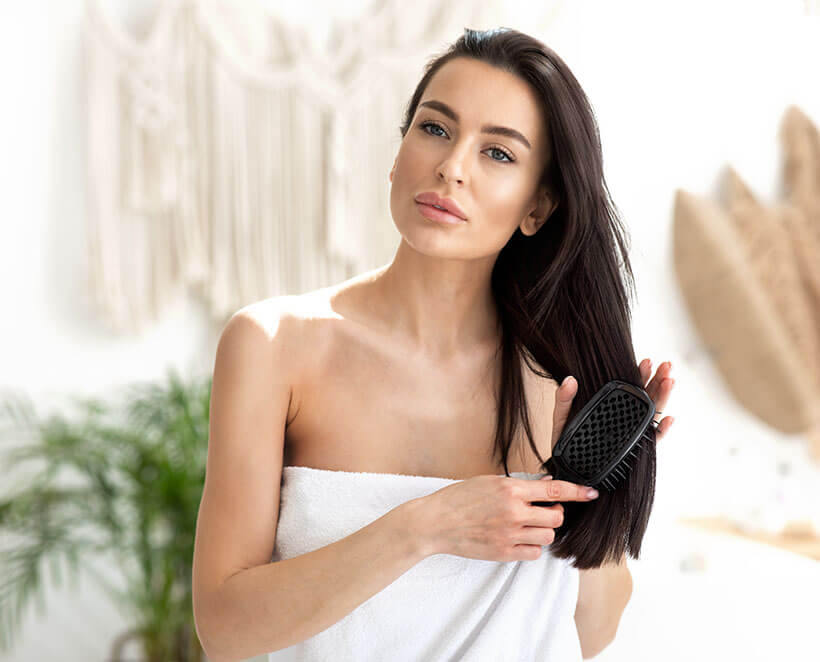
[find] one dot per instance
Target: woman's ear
(542, 210)
(393, 169)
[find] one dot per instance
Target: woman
(405, 387)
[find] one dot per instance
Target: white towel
(446, 607)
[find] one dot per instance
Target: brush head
(596, 447)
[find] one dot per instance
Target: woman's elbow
(598, 634)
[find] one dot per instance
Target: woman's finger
(549, 489)
(661, 397)
(663, 428)
(659, 388)
(654, 385)
(563, 403)
(645, 368)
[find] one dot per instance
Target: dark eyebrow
(498, 130)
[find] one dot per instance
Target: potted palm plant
(138, 469)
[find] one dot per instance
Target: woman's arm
(603, 594)
(273, 606)
(243, 604)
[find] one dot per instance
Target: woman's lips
(434, 214)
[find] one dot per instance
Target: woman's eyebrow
(498, 130)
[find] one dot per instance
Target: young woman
(384, 414)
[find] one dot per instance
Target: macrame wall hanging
(228, 155)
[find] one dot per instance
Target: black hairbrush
(597, 446)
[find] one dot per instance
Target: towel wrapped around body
(446, 607)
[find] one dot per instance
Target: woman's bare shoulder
(307, 313)
(297, 323)
(283, 318)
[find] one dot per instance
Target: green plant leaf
(123, 477)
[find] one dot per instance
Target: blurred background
(147, 161)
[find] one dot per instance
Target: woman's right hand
(492, 518)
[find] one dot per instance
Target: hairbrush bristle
(623, 468)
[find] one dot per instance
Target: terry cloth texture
(444, 608)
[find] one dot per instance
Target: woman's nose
(452, 170)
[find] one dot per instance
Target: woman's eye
(425, 125)
(433, 125)
(502, 152)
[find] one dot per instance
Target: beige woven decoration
(738, 322)
(806, 247)
(228, 155)
(800, 140)
(768, 244)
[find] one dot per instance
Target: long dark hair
(562, 293)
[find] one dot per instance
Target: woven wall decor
(750, 276)
(229, 154)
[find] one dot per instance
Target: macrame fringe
(229, 155)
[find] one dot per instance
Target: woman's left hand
(659, 388)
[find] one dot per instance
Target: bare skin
(389, 372)
(366, 401)
(402, 375)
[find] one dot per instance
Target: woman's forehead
(480, 93)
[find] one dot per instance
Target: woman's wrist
(412, 531)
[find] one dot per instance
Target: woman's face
(492, 177)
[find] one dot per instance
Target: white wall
(680, 91)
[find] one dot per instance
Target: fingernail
(592, 493)
(546, 477)
(567, 380)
